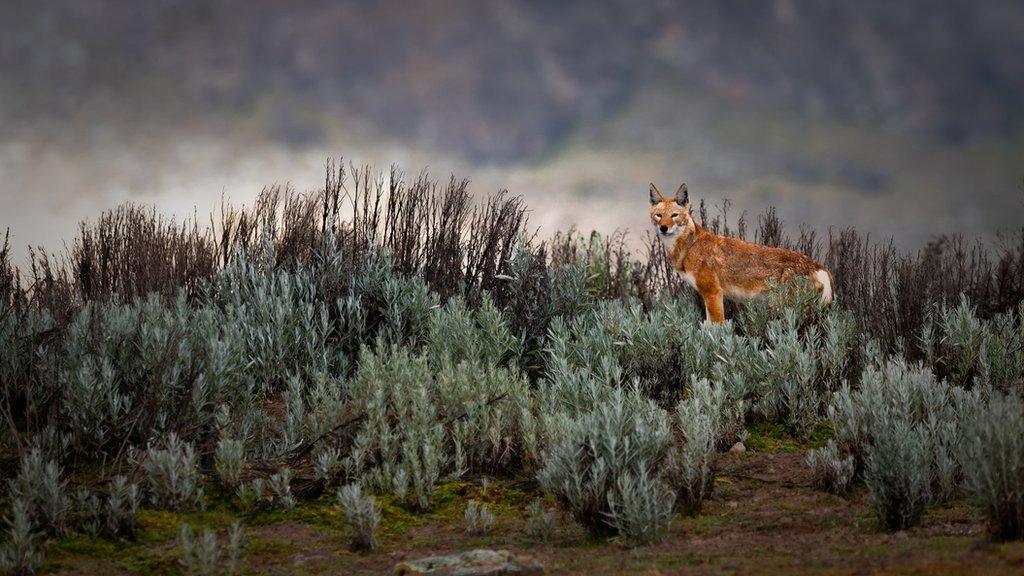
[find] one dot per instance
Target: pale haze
(903, 120)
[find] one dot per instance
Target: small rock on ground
(472, 563)
(738, 447)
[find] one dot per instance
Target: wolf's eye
(658, 215)
(675, 214)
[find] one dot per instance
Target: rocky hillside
(507, 81)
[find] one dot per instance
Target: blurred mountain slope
(508, 81)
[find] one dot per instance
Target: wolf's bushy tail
(824, 278)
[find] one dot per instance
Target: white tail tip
(825, 279)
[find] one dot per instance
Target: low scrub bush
(902, 425)
(657, 348)
(88, 512)
(799, 295)
(540, 523)
(968, 349)
(199, 553)
(900, 393)
(275, 318)
(897, 474)
(591, 453)
(992, 458)
(362, 516)
(228, 462)
(122, 508)
(173, 481)
(792, 392)
(202, 554)
(268, 493)
(690, 465)
(327, 465)
(280, 489)
(42, 491)
(830, 470)
(399, 446)
(21, 553)
(488, 412)
(167, 366)
(113, 514)
(478, 518)
(424, 418)
(641, 507)
(457, 334)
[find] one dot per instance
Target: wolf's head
(671, 215)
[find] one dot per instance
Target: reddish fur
(724, 267)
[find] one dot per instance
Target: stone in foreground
(472, 563)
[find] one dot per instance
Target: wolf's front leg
(714, 307)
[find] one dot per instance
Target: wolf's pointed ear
(655, 194)
(683, 195)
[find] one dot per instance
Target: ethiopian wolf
(719, 267)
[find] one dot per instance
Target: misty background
(903, 119)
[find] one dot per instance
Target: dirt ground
(764, 518)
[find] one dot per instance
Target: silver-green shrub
(478, 518)
(791, 392)
(488, 408)
(589, 453)
(399, 446)
(571, 386)
(962, 336)
(268, 493)
(327, 464)
(255, 494)
(456, 334)
(279, 485)
(404, 302)
(664, 349)
(88, 512)
(837, 347)
(168, 366)
(113, 514)
(660, 348)
(690, 464)
(21, 553)
(324, 396)
(423, 458)
(896, 473)
(428, 416)
(362, 516)
(902, 425)
(122, 508)
(200, 553)
(39, 487)
(896, 391)
(172, 476)
(972, 350)
(540, 523)
(274, 318)
(235, 540)
(228, 462)
(992, 458)
(641, 507)
(830, 470)
(757, 314)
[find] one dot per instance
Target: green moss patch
(772, 437)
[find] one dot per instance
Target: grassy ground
(764, 518)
